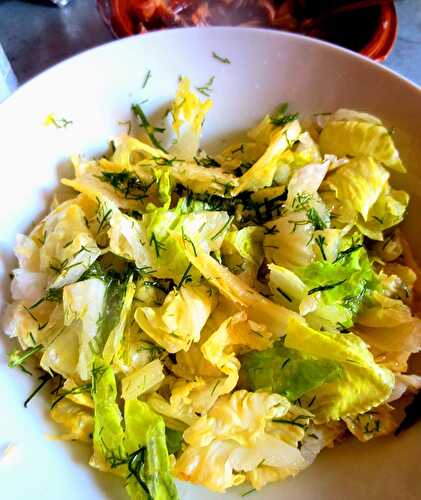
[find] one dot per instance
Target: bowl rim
(175, 32)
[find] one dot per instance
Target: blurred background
(37, 34)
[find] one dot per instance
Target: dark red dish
(366, 26)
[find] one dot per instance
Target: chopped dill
(76, 390)
(157, 245)
(186, 278)
(17, 358)
(215, 236)
(127, 183)
(281, 117)
(321, 241)
(206, 161)
(240, 149)
(207, 87)
(353, 248)
(287, 297)
(149, 129)
(323, 288)
(223, 60)
(147, 78)
(189, 240)
(44, 380)
(249, 492)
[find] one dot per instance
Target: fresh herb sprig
(223, 60)
(282, 117)
(18, 358)
(207, 87)
(149, 129)
(76, 390)
(126, 183)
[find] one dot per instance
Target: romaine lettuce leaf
(61, 354)
(83, 303)
(142, 380)
(68, 248)
(152, 244)
(287, 288)
(118, 302)
(76, 419)
(242, 252)
(390, 329)
(188, 114)
(306, 181)
(221, 347)
(359, 138)
(288, 240)
(357, 185)
(145, 442)
(388, 211)
(180, 319)
(201, 179)
(339, 288)
(234, 439)
(262, 173)
(174, 440)
(135, 447)
(287, 371)
(122, 188)
(362, 385)
(109, 448)
(258, 308)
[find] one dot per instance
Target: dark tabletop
(35, 35)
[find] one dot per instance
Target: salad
(220, 319)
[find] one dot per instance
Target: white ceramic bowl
(95, 91)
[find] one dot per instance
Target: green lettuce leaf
(119, 298)
(108, 427)
(177, 323)
(174, 440)
(339, 288)
(151, 243)
(287, 371)
(135, 448)
(362, 385)
(145, 441)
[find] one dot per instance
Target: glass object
(8, 82)
(61, 3)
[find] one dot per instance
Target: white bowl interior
(95, 91)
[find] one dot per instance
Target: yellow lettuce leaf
(180, 319)
(236, 437)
